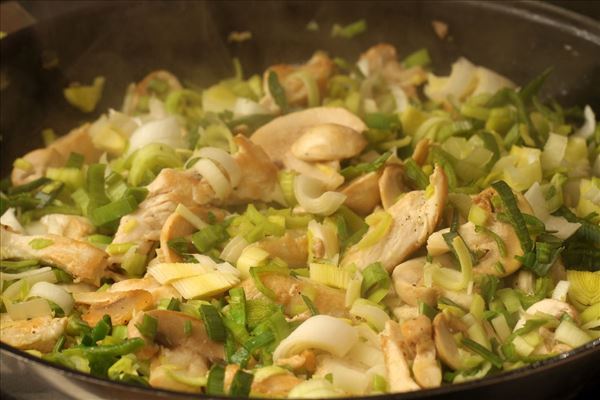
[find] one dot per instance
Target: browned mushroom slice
(291, 247)
(391, 185)
(328, 142)
(288, 291)
(39, 333)
(444, 328)
(421, 151)
(120, 306)
(175, 226)
(82, 260)
(362, 194)
(415, 216)
(408, 282)
(494, 260)
(278, 136)
(56, 155)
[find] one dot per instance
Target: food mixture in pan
(326, 229)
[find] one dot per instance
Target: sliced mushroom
(484, 243)
(397, 368)
(391, 185)
(278, 385)
(39, 333)
(415, 216)
(120, 306)
(362, 193)
(82, 260)
(319, 67)
(444, 327)
(552, 307)
(292, 247)
(278, 136)
(421, 151)
(70, 226)
(56, 155)
(328, 142)
(288, 290)
(171, 333)
(304, 362)
(408, 282)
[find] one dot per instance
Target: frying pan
(125, 40)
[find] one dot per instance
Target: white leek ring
(311, 195)
(225, 160)
(216, 179)
(54, 293)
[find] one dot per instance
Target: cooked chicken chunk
(396, 366)
(56, 155)
(415, 216)
(287, 289)
(180, 361)
(82, 260)
(148, 284)
(39, 333)
(70, 226)
(319, 67)
(120, 306)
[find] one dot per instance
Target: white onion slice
(321, 332)
(460, 83)
(54, 293)
(216, 179)
(165, 131)
(13, 291)
(5, 276)
(28, 309)
(311, 195)
(233, 249)
(226, 161)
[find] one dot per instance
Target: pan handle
(13, 17)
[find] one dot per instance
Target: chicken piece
(481, 242)
(418, 342)
(120, 306)
(291, 247)
(171, 334)
(278, 136)
(362, 194)
(382, 59)
(259, 174)
(278, 385)
(178, 361)
(396, 366)
(170, 188)
(320, 67)
(415, 216)
(40, 333)
(408, 282)
(70, 226)
(83, 261)
(303, 362)
(148, 284)
(57, 154)
(288, 289)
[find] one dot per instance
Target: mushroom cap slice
(408, 278)
(391, 184)
(415, 216)
(328, 142)
(362, 193)
(278, 136)
(443, 329)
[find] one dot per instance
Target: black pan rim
(536, 11)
